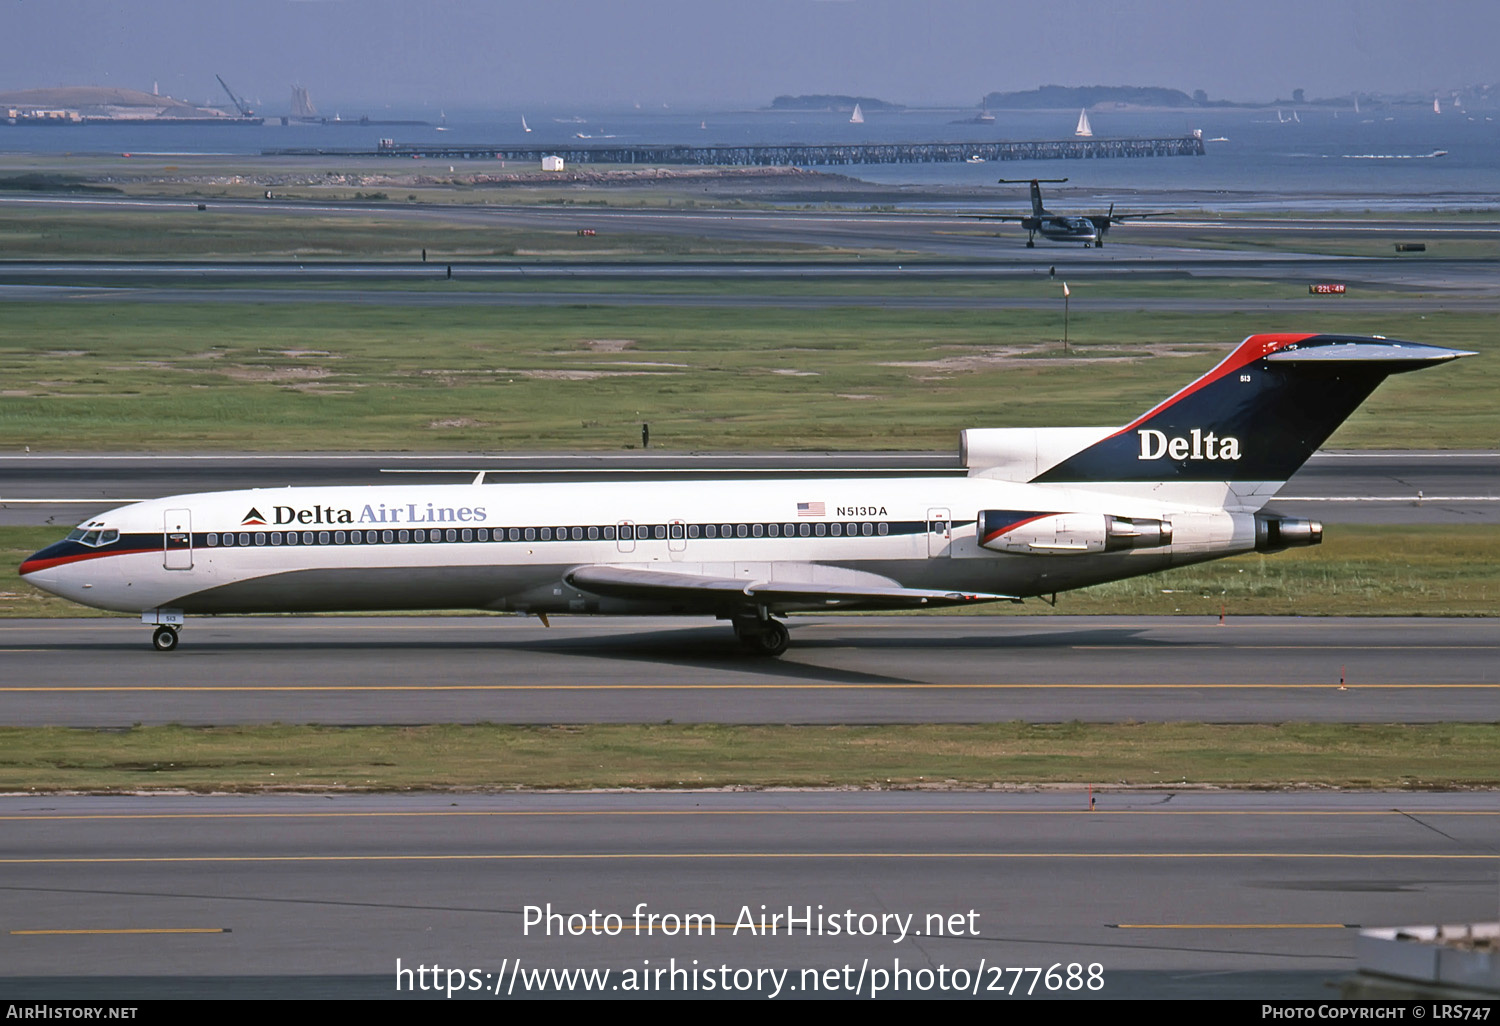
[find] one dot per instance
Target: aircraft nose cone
(53, 555)
(37, 561)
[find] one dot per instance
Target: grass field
(190, 234)
(312, 376)
(1358, 570)
(490, 756)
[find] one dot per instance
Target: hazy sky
(719, 53)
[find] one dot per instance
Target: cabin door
(939, 533)
(177, 539)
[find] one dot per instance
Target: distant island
(821, 102)
(1073, 97)
(93, 104)
(1053, 97)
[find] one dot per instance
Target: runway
(1457, 283)
(1388, 487)
(839, 669)
(954, 233)
(1153, 894)
(941, 243)
(1298, 303)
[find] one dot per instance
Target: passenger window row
(609, 532)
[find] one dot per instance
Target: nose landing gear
(164, 639)
(167, 623)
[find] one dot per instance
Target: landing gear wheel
(164, 639)
(769, 638)
(1031, 244)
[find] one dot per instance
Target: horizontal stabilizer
(1406, 355)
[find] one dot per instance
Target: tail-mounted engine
(1274, 533)
(1066, 534)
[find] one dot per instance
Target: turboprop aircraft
(1036, 511)
(1088, 229)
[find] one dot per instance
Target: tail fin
(1256, 417)
(1037, 210)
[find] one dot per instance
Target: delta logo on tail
(1257, 416)
(255, 518)
(1200, 445)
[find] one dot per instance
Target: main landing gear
(164, 639)
(762, 637)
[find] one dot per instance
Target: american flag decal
(811, 509)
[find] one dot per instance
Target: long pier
(785, 156)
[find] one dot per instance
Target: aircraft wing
(1131, 217)
(704, 591)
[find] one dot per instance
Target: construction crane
(240, 105)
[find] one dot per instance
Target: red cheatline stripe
(1252, 349)
(1011, 527)
(33, 565)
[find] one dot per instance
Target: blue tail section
(1257, 416)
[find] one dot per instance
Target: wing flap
(628, 582)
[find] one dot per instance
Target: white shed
(552, 163)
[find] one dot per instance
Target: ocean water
(1404, 158)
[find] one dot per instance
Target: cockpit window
(93, 535)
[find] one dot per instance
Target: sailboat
(524, 126)
(858, 117)
(1436, 107)
(1084, 130)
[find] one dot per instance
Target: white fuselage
(508, 546)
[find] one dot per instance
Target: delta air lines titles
(370, 513)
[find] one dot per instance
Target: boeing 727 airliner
(1040, 510)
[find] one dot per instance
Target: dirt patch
(578, 375)
(317, 388)
(645, 363)
(275, 375)
(609, 345)
(789, 372)
(855, 395)
(456, 422)
(1022, 355)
